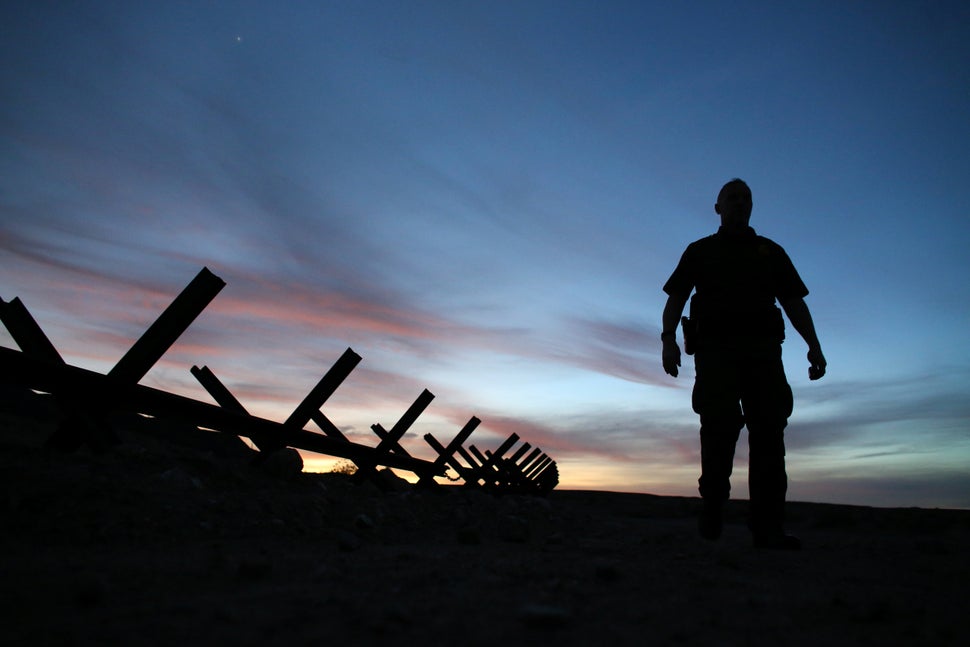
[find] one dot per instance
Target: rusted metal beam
(160, 336)
(538, 466)
(499, 453)
(327, 426)
(17, 368)
(520, 452)
(475, 467)
(524, 465)
(482, 459)
(548, 478)
(390, 440)
(404, 423)
(466, 473)
(304, 412)
(82, 420)
(445, 454)
(222, 395)
(26, 332)
(513, 470)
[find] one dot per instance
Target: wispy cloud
(485, 202)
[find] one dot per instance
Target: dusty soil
(165, 543)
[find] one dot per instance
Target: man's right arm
(673, 311)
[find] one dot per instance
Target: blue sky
(485, 198)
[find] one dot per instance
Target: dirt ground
(167, 544)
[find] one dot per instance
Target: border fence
(86, 399)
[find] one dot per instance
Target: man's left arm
(801, 319)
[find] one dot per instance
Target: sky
(484, 199)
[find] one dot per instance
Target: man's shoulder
(769, 247)
(702, 243)
(764, 240)
(753, 246)
(762, 244)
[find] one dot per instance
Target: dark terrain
(164, 542)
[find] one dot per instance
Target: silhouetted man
(735, 332)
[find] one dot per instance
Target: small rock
(283, 463)
(468, 536)
(363, 522)
(348, 541)
(90, 591)
(255, 568)
(608, 572)
(543, 615)
(179, 479)
(515, 530)
(388, 481)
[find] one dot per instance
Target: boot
(771, 535)
(767, 529)
(710, 522)
(777, 541)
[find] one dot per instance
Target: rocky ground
(167, 543)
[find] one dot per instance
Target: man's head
(734, 204)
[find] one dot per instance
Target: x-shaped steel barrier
(86, 397)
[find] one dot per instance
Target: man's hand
(671, 357)
(815, 359)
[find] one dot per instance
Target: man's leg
(767, 479)
(767, 401)
(719, 437)
(717, 399)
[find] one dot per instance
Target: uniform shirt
(737, 276)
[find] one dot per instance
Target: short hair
(736, 182)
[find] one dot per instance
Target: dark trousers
(739, 386)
